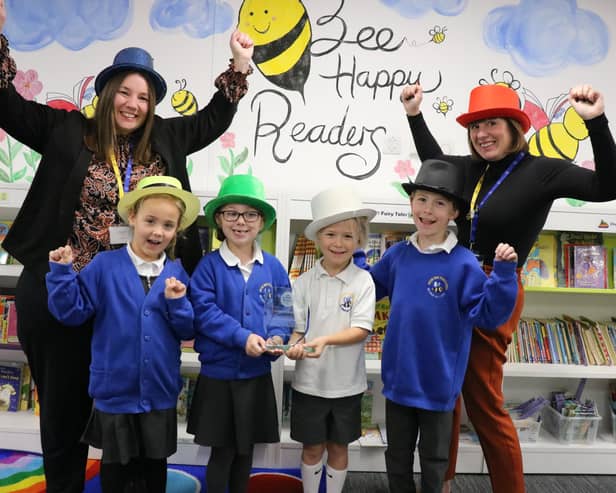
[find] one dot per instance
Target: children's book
(589, 266)
(565, 253)
(4, 229)
(373, 248)
(539, 270)
(10, 385)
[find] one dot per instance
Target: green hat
(241, 189)
(168, 185)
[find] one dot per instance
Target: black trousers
(59, 358)
(434, 430)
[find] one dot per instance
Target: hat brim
(191, 202)
(522, 118)
(269, 213)
(160, 86)
(461, 204)
(315, 226)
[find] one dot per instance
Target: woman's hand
(586, 102)
(242, 48)
(62, 255)
(411, 97)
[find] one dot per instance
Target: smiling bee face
(281, 33)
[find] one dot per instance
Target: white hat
(334, 205)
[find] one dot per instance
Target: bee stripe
(284, 51)
(559, 152)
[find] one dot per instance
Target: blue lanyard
(129, 171)
(475, 213)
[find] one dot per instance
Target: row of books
(564, 340)
(8, 321)
(569, 259)
(17, 389)
(185, 397)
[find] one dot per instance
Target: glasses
(248, 216)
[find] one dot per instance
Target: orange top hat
(494, 101)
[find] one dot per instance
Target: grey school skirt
(234, 413)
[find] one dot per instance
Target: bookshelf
(522, 380)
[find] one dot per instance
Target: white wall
(556, 44)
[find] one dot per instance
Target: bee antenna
(181, 83)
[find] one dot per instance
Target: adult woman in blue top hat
(86, 167)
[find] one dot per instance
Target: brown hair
(101, 135)
(518, 138)
(170, 250)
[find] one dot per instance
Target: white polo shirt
(334, 303)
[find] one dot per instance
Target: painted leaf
(225, 165)
(241, 157)
(15, 147)
(4, 177)
(4, 158)
(20, 174)
(398, 186)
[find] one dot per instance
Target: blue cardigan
(228, 310)
(436, 300)
(136, 340)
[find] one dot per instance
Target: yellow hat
(167, 185)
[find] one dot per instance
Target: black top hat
(133, 60)
(436, 175)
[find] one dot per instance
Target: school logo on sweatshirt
(346, 302)
(437, 286)
(266, 293)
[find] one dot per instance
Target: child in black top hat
(438, 293)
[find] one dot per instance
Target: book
(10, 385)
(4, 229)
(299, 252)
(540, 268)
(568, 239)
(371, 437)
(373, 248)
(589, 266)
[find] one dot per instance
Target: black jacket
(46, 217)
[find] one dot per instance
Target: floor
(480, 483)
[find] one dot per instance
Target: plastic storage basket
(578, 429)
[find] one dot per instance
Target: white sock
(311, 477)
(334, 479)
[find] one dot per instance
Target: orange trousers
(483, 398)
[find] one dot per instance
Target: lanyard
(474, 214)
(122, 187)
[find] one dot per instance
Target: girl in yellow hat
(136, 296)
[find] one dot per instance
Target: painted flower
(27, 84)
(227, 140)
(404, 168)
(2, 135)
(588, 164)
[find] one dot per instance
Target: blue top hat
(133, 59)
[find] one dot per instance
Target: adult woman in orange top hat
(510, 192)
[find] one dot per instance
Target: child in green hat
(234, 405)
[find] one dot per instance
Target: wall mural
(323, 102)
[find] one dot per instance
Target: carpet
(22, 472)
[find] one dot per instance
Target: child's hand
(62, 255)
(274, 341)
(411, 97)
(505, 253)
(174, 289)
(318, 345)
(296, 352)
(255, 345)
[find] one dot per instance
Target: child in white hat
(136, 296)
(334, 312)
